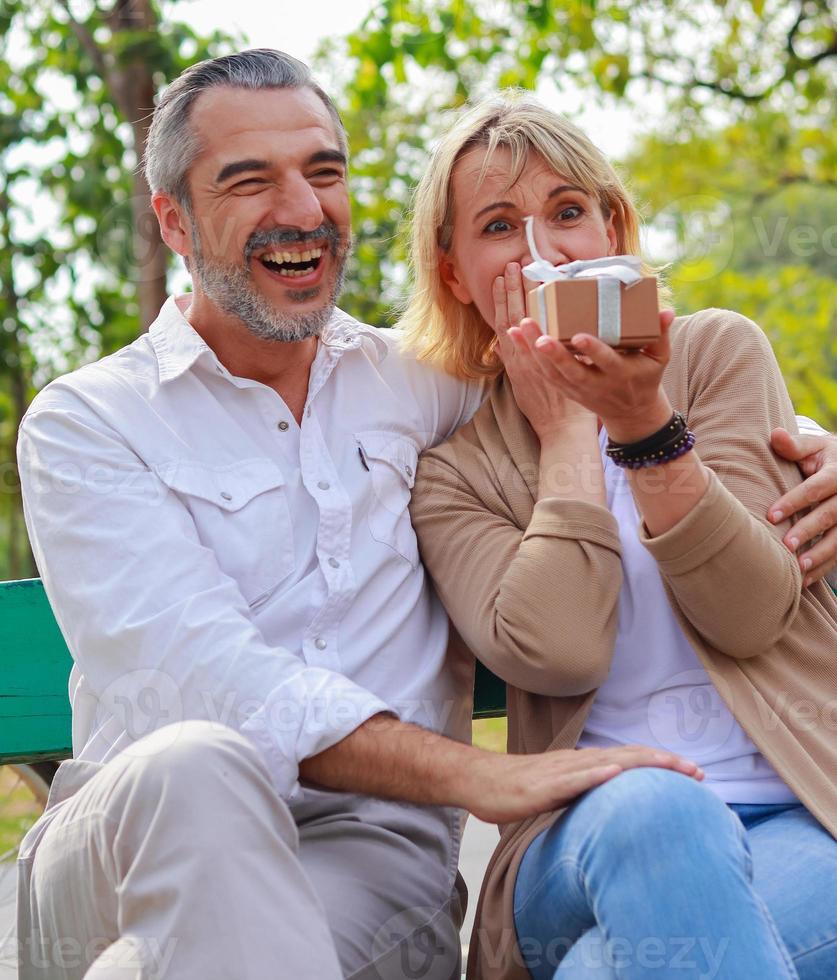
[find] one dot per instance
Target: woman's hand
(539, 396)
(817, 458)
(623, 389)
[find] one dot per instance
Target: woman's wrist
(634, 429)
(559, 431)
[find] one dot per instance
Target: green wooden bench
(35, 665)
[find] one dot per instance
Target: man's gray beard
(232, 290)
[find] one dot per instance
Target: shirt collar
(178, 345)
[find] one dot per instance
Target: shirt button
(225, 495)
(409, 470)
(320, 643)
(308, 411)
(282, 426)
(334, 563)
(324, 485)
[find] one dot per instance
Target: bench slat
(35, 720)
(34, 667)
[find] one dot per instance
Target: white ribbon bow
(608, 271)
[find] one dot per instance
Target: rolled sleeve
(305, 715)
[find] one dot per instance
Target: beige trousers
(177, 860)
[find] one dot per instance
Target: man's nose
(298, 205)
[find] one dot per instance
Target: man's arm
(393, 760)
(159, 632)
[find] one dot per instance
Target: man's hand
(505, 788)
(396, 760)
(817, 458)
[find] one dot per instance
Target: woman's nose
(543, 243)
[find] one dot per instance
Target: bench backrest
(35, 665)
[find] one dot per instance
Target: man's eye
(251, 181)
(329, 174)
(497, 226)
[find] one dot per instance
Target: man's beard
(233, 291)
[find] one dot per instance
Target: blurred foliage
(490, 734)
(71, 291)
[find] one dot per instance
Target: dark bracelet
(668, 443)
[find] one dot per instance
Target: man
(268, 739)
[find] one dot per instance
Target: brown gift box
(572, 306)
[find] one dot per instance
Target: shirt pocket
(241, 513)
(391, 459)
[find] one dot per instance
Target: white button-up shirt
(207, 557)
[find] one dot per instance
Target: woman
(624, 605)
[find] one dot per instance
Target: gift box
(607, 297)
(627, 319)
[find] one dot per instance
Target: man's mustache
(282, 236)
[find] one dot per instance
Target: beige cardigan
(533, 587)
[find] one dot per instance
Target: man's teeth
(281, 258)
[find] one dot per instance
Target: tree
(82, 266)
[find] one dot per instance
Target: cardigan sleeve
(520, 598)
(733, 579)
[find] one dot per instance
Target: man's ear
(175, 230)
(450, 277)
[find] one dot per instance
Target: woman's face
(489, 231)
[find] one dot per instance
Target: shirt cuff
(708, 528)
(305, 715)
(554, 517)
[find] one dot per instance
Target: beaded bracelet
(673, 440)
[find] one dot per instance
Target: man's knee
(196, 763)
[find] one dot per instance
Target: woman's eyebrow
(510, 204)
(492, 207)
(564, 187)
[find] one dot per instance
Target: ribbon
(608, 272)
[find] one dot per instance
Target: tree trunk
(131, 86)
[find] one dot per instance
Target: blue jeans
(652, 875)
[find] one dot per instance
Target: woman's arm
(732, 577)
(538, 604)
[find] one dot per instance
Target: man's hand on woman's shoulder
(817, 458)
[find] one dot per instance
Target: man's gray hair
(172, 146)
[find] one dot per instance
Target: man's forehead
(224, 113)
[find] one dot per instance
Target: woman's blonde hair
(434, 324)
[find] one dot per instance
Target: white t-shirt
(657, 692)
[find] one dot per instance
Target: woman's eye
(496, 226)
(570, 212)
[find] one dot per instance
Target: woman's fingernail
(806, 564)
(794, 542)
(776, 516)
